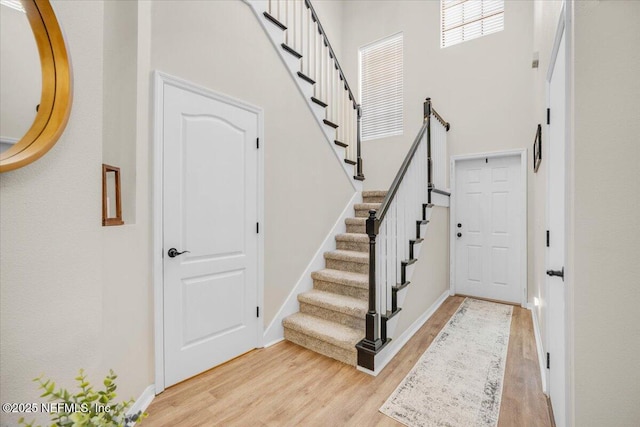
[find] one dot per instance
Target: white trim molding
(275, 331)
(143, 401)
(522, 153)
(160, 80)
(539, 345)
(390, 351)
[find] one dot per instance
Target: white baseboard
(142, 403)
(274, 342)
(389, 352)
(275, 332)
(539, 347)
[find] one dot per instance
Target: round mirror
(35, 82)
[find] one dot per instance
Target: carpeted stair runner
(331, 317)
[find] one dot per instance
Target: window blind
(464, 20)
(381, 88)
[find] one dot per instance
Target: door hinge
(548, 116)
(547, 238)
(257, 311)
(257, 142)
(257, 227)
(548, 358)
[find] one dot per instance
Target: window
(463, 20)
(381, 88)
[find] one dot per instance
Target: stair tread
(325, 330)
(347, 278)
(352, 237)
(345, 255)
(374, 193)
(367, 206)
(335, 302)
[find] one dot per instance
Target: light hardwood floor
(287, 385)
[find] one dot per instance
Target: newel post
(359, 174)
(369, 346)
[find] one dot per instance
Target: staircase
(331, 320)
(350, 314)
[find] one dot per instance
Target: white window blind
(381, 88)
(464, 20)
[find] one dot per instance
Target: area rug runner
(458, 380)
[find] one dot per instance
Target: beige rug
(458, 380)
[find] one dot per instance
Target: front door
(210, 255)
(555, 289)
(489, 207)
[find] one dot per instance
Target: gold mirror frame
(55, 102)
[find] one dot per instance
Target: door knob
(459, 234)
(559, 273)
(173, 252)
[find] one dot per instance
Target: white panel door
(210, 200)
(555, 251)
(489, 209)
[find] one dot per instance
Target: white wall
(331, 16)
(120, 82)
(606, 225)
(51, 298)
(431, 272)
(482, 86)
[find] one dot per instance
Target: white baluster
(319, 67)
(306, 41)
(285, 21)
(301, 31)
(340, 105)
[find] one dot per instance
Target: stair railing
(394, 230)
(305, 35)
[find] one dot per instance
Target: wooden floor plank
(287, 385)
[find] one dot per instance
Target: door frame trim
(160, 80)
(564, 29)
(522, 153)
